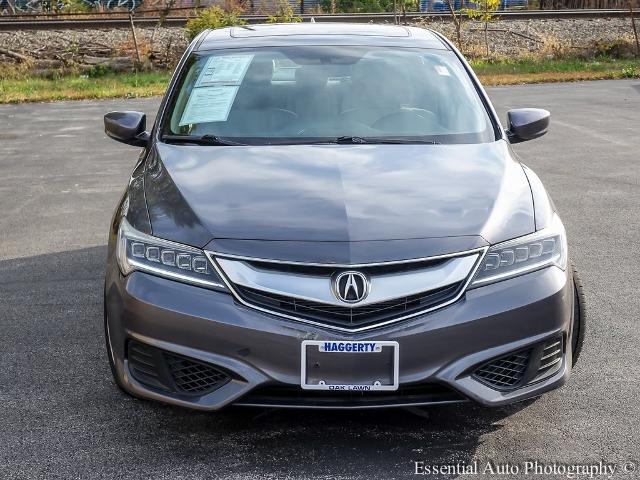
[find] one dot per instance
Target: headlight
(138, 251)
(525, 254)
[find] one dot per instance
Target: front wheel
(579, 316)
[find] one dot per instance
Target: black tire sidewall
(578, 325)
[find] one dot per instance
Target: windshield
(312, 94)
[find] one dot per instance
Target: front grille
(170, 372)
(308, 292)
(345, 315)
(294, 396)
(506, 372)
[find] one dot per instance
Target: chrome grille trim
(550, 359)
(212, 255)
(347, 265)
(553, 362)
(555, 352)
(317, 288)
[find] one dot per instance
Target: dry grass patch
(548, 77)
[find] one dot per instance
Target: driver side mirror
(527, 124)
(127, 127)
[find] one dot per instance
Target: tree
(633, 26)
(484, 13)
(457, 16)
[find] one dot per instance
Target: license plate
(349, 366)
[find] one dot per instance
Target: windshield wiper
(342, 140)
(346, 139)
(200, 140)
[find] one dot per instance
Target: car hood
(428, 198)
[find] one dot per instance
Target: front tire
(579, 316)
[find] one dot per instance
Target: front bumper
(260, 350)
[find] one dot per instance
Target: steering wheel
(309, 132)
(417, 117)
(282, 114)
(246, 122)
(338, 127)
(290, 113)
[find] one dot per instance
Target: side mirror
(527, 124)
(127, 127)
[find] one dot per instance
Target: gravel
(543, 36)
(507, 38)
(165, 45)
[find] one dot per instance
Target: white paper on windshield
(209, 104)
(215, 89)
(228, 69)
(442, 70)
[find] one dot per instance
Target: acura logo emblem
(351, 287)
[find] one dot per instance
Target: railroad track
(7, 23)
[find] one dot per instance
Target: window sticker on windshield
(442, 70)
(216, 89)
(228, 69)
(209, 104)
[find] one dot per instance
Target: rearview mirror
(127, 127)
(527, 124)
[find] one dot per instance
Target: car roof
(291, 34)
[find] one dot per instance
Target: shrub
(71, 6)
(100, 70)
(213, 17)
(284, 13)
(368, 6)
(630, 72)
(357, 6)
(619, 48)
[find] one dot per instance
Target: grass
(125, 85)
(510, 72)
(23, 88)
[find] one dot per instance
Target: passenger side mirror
(127, 127)
(527, 124)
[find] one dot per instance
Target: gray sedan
(331, 216)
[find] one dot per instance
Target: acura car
(331, 216)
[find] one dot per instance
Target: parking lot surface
(61, 415)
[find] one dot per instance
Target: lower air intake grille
(194, 377)
(523, 367)
(506, 372)
(170, 372)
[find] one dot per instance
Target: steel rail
(7, 23)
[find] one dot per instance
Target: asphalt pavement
(61, 415)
